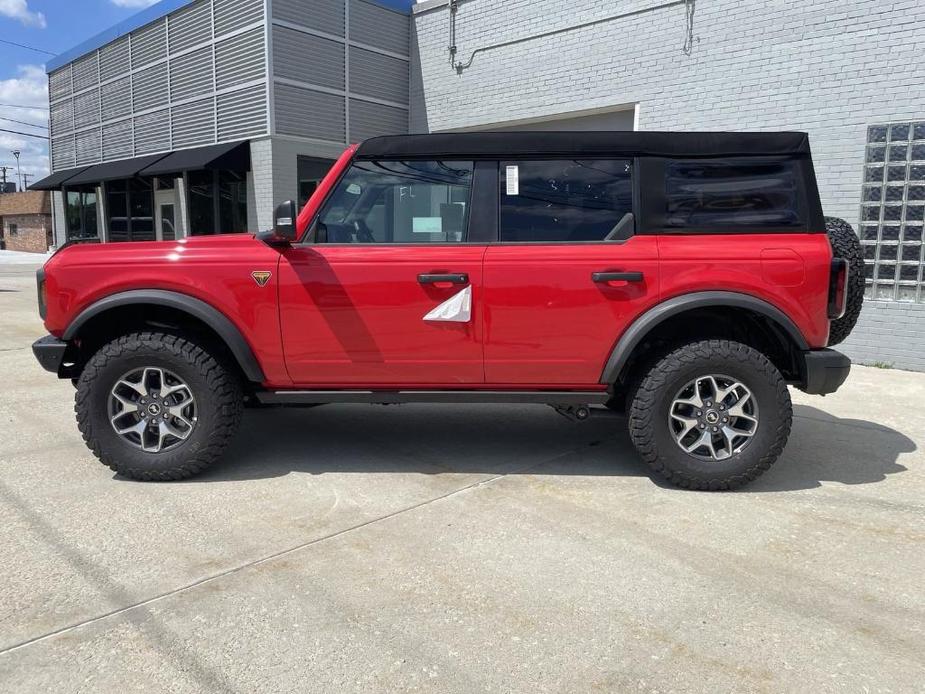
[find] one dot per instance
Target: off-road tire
(845, 244)
(649, 414)
(215, 386)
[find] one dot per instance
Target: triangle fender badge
(261, 277)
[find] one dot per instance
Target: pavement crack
(276, 555)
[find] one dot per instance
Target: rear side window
(705, 194)
(399, 202)
(565, 200)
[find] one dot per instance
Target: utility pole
(25, 180)
(16, 154)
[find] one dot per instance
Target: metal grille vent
(149, 44)
(152, 132)
(191, 74)
(194, 123)
(240, 59)
(242, 114)
(88, 147)
(117, 140)
(234, 14)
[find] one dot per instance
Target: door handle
(616, 276)
(453, 277)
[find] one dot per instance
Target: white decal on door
(456, 309)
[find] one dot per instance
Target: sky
(53, 26)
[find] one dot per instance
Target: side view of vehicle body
(682, 278)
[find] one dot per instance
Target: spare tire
(845, 244)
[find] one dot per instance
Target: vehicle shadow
(494, 439)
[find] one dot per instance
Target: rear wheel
(845, 244)
(155, 406)
(713, 414)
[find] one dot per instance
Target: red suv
(684, 279)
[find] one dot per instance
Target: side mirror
(283, 232)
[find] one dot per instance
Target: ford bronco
(683, 280)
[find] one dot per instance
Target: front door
(390, 291)
(568, 275)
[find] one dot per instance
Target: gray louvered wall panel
(369, 120)
(152, 132)
(149, 87)
(309, 113)
(379, 27)
(301, 56)
(324, 15)
(62, 156)
(117, 140)
(377, 75)
(59, 83)
(86, 72)
(114, 59)
(62, 116)
(191, 74)
(149, 44)
(87, 108)
(194, 123)
(240, 59)
(87, 147)
(190, 26)
(234, 14)
(242, 114)
(116, 98)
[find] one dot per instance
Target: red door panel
(548, 322)
(352, 316)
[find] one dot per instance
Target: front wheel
(713, 414)
(156, 406)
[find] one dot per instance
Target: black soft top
(585, 143)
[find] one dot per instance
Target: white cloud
(19, 9)
(28, 88)
(133, 3)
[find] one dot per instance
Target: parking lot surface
(457, 549)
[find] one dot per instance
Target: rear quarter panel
(789, 271)
(216, 270)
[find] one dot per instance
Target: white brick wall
(829, 67)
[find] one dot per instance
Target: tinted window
(398, 202)
(728, 193)
(564, 200)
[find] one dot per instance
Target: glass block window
(893, 211)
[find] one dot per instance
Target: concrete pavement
(457, 549)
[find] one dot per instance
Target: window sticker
(427, 225)
(512, 178)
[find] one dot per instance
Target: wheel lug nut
(715, 429)
(699, 413)
(703, 426)
(725, 419)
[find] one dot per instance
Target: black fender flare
(196, 308)
(641, 327)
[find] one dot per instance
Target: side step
(390, 397)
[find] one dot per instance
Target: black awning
(232, 155)
(54, 181)
(112, 170)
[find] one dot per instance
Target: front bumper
(824, 370)
(49, 351)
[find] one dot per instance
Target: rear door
(390, 293)
(568, 275)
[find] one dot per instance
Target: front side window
(567, 200)
(724, 193)
(398, 202)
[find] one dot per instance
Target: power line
(22, 122)
(16, 132)
(31, 108)
(30, 48)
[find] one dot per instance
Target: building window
(217, 202)
(14, 230)
(893, 211)
(564, 200)
(310, 172)
(81, 214)
(130, 206)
